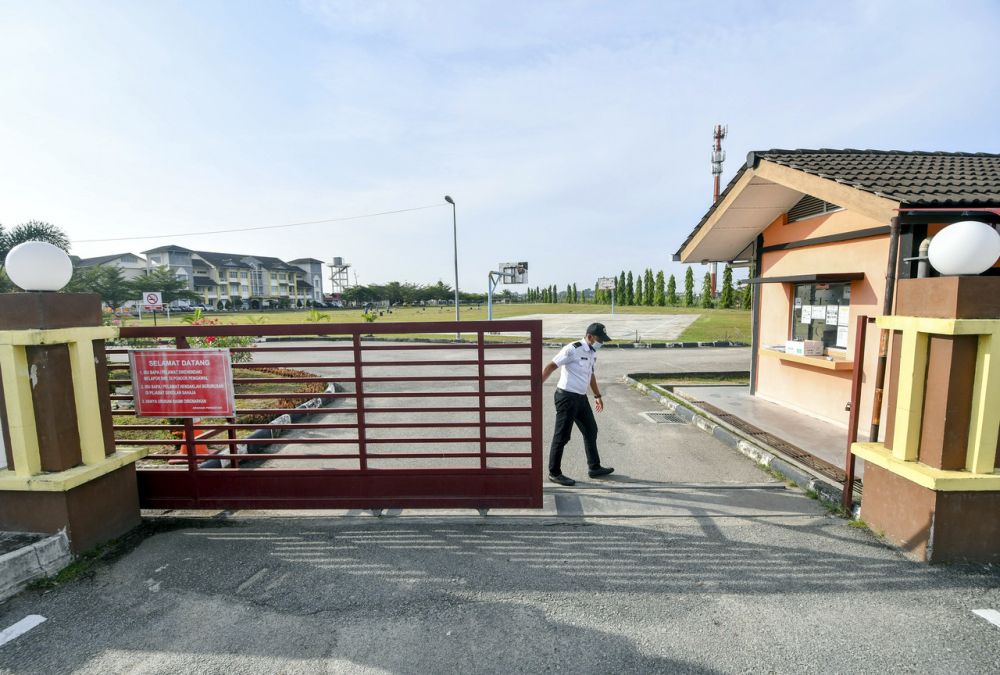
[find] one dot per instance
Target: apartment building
(253, 281)
(131, 265)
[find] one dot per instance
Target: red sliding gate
(329, 419)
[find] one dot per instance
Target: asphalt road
(692, 560)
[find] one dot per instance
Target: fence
(328, 418)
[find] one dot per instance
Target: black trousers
(573, 409)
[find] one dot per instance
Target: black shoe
(561, 479)
(600, 471)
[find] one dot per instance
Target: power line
(262, 227)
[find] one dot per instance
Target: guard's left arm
(598, 401)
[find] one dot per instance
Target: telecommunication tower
(340, 277)
(718, 157)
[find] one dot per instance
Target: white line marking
(990, 615)
(20, 628)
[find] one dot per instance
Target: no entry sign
(182, 383)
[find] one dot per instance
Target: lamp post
(454, 232)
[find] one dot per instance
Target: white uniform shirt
(577, 361)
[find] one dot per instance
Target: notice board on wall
(182, 383)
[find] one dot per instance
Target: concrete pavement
(619, 327)
(711, 593)
(690, 560)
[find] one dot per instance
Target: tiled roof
(236, 260)
(168, 247)
(100, 260)
(910, 178)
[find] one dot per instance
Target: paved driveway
(691, 560)
(619, 327)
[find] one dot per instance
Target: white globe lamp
(968, 247)
(38, 266)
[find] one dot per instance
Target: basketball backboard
(514, 272)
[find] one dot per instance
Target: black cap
(597, 330)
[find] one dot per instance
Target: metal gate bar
(262, 479)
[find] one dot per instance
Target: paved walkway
(818, 437)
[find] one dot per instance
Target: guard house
(814, 227)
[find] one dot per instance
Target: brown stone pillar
(945, 522)
(50, 496)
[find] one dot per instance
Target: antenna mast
(718, 157)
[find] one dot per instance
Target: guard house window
(820, 312)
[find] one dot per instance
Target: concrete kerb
(762, 454)
(43, 558)
(258, 448)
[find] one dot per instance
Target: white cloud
(575, 135)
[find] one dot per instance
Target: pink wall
(819, 392)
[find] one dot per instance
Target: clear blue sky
(575, 135)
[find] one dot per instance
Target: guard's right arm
(548, 370)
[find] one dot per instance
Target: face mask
(597, 344)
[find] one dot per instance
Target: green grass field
(713, 324)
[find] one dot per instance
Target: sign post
(152, 300)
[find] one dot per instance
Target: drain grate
(804, 457)
(663, 417)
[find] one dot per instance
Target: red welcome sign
(182, 383)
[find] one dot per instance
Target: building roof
(168, 247)
(236, 260)
(306, 260)
(102, 259)
(875, 183)
(910, 178)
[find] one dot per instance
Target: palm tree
(33, 230)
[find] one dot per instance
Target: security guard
(577, 361)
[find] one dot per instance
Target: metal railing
(397, 423)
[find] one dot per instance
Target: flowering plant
(219, 342)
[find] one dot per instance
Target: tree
(672, 291)
(555, 293)
(106, 281)
(659, 297)
(638, 289)
(33, 230)
(706, 291)
(621, 295)
(576, 295)
(163, 280)
(746, 299)
(647, 284)
(629, 298)
(727, 299)
(569, 294)
(689, 288)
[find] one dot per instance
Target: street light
(454, 231)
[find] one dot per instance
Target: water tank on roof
(337, 262)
